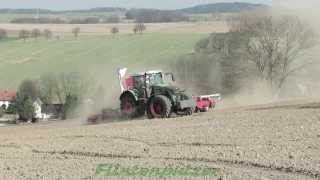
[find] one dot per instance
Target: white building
(38, 110)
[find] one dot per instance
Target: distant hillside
(99, 9)
(221, 8)
(47, 11)
(207, 8)
(25, 11)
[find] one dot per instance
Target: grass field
(96, 55)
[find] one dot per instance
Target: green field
(98, 56)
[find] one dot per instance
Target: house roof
(7, 95)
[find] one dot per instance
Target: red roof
(7, 95)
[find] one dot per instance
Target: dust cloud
(307, 80)
(308, 10)
(104, 92)
(102, 95)
(304, 83)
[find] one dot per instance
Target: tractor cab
(147, 80)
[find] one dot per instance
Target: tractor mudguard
(130, 93)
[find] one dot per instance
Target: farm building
(6, 98)
(53, 111)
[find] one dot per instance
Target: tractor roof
(148, 72)
(154, 72)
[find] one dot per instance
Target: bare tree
(24, 34)
(3, 33)
(67, 89)
(135, 30)
(48, 84)
(274, 45)
(72, 87)
(35, 33)
(47, 33)
(76, 31)
(114, 31)
(139, 27)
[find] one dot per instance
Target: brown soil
(274, 141)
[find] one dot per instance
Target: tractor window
(155, 78)
(138, 82)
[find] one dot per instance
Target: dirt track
(125, 28)
(280, 141)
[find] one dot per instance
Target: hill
(206, 8)
(139, 14)
(221, 8)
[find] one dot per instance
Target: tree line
(138, 15)
(87, 20)
(24, 34)
(35, 33)
(155, 16)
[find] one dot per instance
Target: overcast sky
(83, 4)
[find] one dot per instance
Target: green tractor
(150, 93)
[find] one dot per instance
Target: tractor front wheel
(159, 107)
(128, 107)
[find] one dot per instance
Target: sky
(85, 4)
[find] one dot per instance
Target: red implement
(204, 103)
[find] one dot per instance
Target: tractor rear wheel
(159, 107)
(128, 107)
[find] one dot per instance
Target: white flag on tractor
(121, 73)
